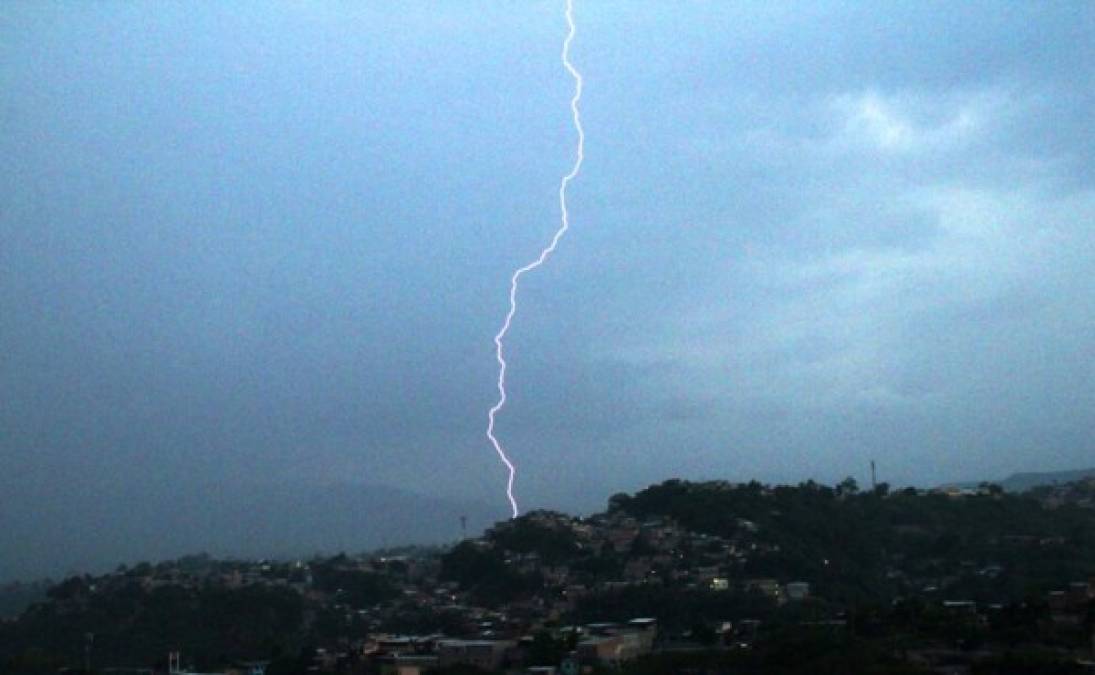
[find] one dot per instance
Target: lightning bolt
(564, 225)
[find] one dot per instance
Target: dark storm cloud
(241, 245)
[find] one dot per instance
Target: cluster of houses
(652, 552)
(502, 637)
(498, 637)
(600, 644)
(593, 645)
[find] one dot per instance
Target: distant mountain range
(1021, 482)
(94, 532)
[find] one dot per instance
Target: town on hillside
(711, 577)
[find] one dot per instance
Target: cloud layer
(240, 245)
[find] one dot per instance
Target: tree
(847, 487)
(618, 502)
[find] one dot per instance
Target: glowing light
(547, 251)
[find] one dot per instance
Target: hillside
(714, 564)
(1024, 481)
(1021, 482)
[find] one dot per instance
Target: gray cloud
(242, 245)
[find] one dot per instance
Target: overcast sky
(242, 244)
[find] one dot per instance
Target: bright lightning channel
(547, 251)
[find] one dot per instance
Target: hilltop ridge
(1028, 480)
(713, 564)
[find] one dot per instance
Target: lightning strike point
(544, 254)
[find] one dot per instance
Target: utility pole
(874, 480)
